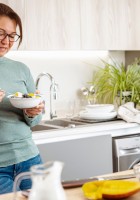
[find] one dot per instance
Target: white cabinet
(123, 25)
(52, 24)
(49, 24)
(110, 24)
(79, 24)
(94, 24)
(82, 157)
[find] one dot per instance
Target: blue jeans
(8, 174)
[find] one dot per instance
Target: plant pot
(126, 97)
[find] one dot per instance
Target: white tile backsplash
(70, 69)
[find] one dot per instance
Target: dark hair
(7, 11)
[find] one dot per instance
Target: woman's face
(7, 26)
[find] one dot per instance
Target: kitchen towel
(128, 113)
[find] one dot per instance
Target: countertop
(76, 193)
(112, 128)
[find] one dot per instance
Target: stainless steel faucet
(53, 92)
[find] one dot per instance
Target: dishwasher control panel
(130, 143)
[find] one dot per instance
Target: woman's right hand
(2, 94)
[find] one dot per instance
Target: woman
(17, 149)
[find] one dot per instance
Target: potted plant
(116, 80)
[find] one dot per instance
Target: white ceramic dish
(24, 102)
(97, 116)
(100, 108)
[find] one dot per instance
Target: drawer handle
(130, 150)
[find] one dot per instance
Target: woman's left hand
(32, 112)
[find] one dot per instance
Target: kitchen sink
(42, 128)
(56, 124)
(63, 123)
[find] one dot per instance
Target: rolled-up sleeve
(33, 121)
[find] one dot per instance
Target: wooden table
(76, 193)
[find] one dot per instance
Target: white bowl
(97, 116)
(22, 103)
(98, 108)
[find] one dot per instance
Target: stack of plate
(98, 112)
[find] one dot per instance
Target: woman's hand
(2, 94)
(32, 112)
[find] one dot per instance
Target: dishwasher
(126, 152)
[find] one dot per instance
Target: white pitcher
(46, 182)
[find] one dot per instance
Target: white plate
(22, 103)
(97, 116)
(100, 108)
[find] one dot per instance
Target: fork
(8, 93)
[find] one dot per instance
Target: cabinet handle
(130, 150)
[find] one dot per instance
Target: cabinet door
(52, 24)
(110, 24)
(79, 24)
(94, 24)
(49, 24)
(123, 24)
(83, 157)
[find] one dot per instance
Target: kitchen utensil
(46, 181)
(1, 90)
(100, 108)
(80, 182)
(97, 116)
(7, 93)
(21, 102)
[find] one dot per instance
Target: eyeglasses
(13, 37)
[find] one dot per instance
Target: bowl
(100, 108)
(97, 115)
(22, 103)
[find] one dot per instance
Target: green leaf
(116, 78)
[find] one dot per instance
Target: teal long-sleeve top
(16, 143)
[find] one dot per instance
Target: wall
(130, 56)
(70, 69)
